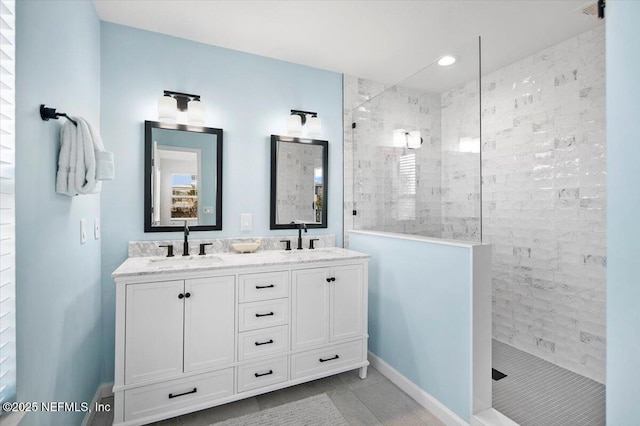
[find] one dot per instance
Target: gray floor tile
(353, 410)
(353, 381)
(537, 392)
(392, 407)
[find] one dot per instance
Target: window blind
(7, 202)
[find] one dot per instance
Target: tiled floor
(539, 393)
(373, 401)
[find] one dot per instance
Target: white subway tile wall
(544, 201)
(544, 188)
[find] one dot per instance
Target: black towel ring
(50, 113)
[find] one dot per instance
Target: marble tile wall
(544, 199)
(223, 245)
(389, 194)
(543, 193)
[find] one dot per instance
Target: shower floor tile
(539, 393)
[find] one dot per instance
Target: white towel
(83, 162)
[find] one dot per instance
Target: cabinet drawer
(255, 315)
(263, 342)
(263, 286)
(325, 359)
(262, 373)
(171, 395)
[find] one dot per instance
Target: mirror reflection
(184, 173)
(298, 182)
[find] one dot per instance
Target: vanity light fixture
(298, 118)
(447, 60)
(172, 102)
(411, 140)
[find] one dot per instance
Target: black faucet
(301, 226)
(185, 246)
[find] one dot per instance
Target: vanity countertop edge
(140, 266)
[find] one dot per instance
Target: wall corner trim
(423, 398)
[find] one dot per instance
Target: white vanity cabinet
(203, 336)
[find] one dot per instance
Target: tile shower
(543, 187)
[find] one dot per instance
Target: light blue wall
(420, 314)
(623, 213)
(59, 344)
(248, 96)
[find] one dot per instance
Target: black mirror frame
(148, 147)
(274, 173)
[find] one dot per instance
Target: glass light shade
(196, 111)
(414, 139)
(399, 138)
(167, 109)
(314, 126)
(294, 124)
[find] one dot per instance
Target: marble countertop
(135, 266)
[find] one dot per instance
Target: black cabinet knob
(180, 296)
(187, 295)
(329, 279)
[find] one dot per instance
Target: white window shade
(7, 203)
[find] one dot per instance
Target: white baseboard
(491, 417)
(103, 391)
(423, 398)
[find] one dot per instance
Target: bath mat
(315, 411)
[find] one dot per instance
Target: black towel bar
(50, 113)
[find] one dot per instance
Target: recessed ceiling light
(445, 61)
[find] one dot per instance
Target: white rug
(315, 411)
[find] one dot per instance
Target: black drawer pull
(263, 374)
(265, 286)
(264, 315)
(329, 359)
(264, 343)
(183, 394)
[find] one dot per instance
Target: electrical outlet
(246, 222)
(96, 228)
(83, 231)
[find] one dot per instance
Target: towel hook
(50, 113)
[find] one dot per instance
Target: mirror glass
(183, 177)
(298, 182)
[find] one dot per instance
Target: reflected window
(407, 187)
(184, 196)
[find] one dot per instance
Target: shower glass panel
(415, 151)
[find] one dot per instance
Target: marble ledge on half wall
(411, 237)
(223, 245)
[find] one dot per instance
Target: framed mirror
(298, 182)
(182, 177)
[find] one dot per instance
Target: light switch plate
(83, 231)
(246, 222)
(96, 228)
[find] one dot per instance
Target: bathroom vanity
(195, 332)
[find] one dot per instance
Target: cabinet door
(347, 302)
(209, 322)
(310, 307)
(153, 342)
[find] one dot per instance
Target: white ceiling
(385, 41)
